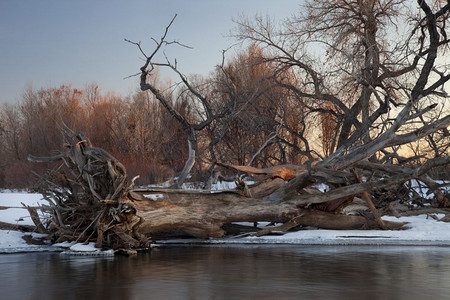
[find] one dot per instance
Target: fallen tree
(91, 198)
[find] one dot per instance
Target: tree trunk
(187, 166)
(203, 214)
(93, 200)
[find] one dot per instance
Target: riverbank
(420, 230)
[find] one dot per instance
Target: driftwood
(89, 200)
(203, 214)
(93, 200)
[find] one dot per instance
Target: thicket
(135, 129)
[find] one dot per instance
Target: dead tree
(93, 200)
(188, 127)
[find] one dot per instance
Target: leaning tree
(380, 96)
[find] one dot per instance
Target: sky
(48, 43)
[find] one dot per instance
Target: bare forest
(352, 95)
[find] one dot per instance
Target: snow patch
(16, 216)
(84, 247)
(16, 199)
(154, 197)
(422, 189)
(87, 250)
(321, 187)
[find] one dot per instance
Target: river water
(250, 272)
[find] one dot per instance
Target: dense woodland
(347, 93)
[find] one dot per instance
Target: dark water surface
(254, 272)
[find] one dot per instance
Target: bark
(187, 166)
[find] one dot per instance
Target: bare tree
(189, 127)
(373, 82)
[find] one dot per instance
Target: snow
(14, 241)
(154, 197)
(224, 185)
(420, 230)
(14, 212)
(14, 199)
(89, 249)
(11, 239)
(421, 188)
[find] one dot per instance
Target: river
(233, 272)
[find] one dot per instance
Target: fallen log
(91, 199)
(203, 214)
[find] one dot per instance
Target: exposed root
(88, 201)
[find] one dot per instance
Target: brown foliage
(135, 129)
(16, 175)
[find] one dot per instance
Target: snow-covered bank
(14, 241)
(421, 230)
(13, 212)
(11, 241)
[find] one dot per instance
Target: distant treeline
(249, 112)
(134, 129)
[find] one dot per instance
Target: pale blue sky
(47, 43)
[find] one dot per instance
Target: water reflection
(265, 272)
